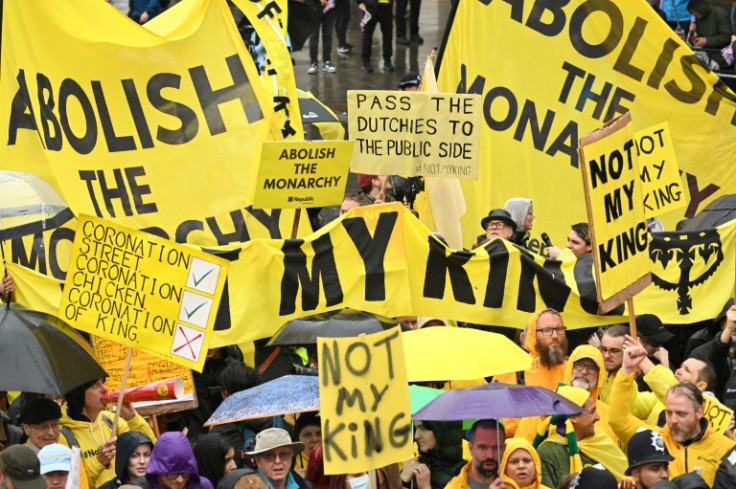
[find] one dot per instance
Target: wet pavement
(331, 88)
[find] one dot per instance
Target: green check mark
(190, 314)
(196, 282)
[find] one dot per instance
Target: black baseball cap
(647, 447)
(21, 466)
(650, 325)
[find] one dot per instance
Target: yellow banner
(661, 185)
(144, 367)
(269, 18)
(564, 69)
(618, 229)
(717, 414)
(162, 132)
(381, 259)
(364, 402)
(142, 291)
(296, 174)
(414, 133)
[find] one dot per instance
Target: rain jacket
(173, 455)
(519, 208)
(445, 460)
(460, 481)
(528, 426)
(91, 436)
(126, 444)
(538, 375)
(714, 24)
(705, 451)
(644, 405)
(513, 444)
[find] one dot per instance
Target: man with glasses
(273, 455)
(498, 224)
(546, 343)
(39, 419)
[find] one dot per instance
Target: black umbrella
(342, 323)
(40, 353)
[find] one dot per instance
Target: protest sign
(364, 402)
(618, 229)
(566, 68)
(381, 259)
(295, 174)
(131, 136)
(143, 291)
(661, 184)
(717, 414)
(414, 133)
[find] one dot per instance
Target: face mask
(359, 482)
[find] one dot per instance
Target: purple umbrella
(496, 400)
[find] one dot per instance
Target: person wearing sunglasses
(273, 456)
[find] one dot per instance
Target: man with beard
(689, 438)
(487, 441)
(546, 343)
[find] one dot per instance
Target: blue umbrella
(496, 400)
(287, 394)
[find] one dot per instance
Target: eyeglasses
(173, 477)
(271, 456)
(590, 368)
(496, 225)
(44, 427)
(610, 351)
(548, 331)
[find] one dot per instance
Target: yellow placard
(144, 367)
(619, 234)
(661, 184)
(717, 414)
(415, 133)
(143, 291)
(364, 402)
(296, 174)
(564, 69)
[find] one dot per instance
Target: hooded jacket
(539, 375)
(714, 24)
(512, 445)
(519, 208)
(705, 451)
(446, 459)
(92, 435)
(127, 443)
(173, 454)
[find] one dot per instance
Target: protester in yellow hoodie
(91, 429)
(546, 343)
(520, 466)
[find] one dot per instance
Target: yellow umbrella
(444, 353)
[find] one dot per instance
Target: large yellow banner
(549, 72)
(143, 291)
(381, 259)
(364, 402)
(161, 132)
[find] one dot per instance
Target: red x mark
(188, 343)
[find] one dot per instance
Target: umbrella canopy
(319, 121)
(419, 396)
(287, 394)
(447, 353)
(40, 353)
(496, 400)
(29, 205)
(303, 22)
(342, 323)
